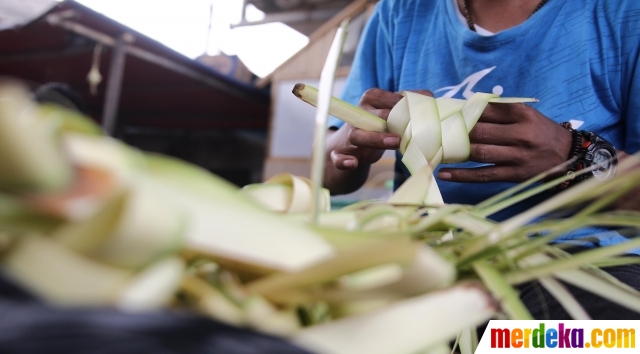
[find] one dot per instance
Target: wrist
(599, 156)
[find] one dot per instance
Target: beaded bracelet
(576, 147)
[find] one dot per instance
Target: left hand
(518, 140)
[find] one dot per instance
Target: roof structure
(305, 16)
(309, 61)
(14, 13)
(145, 84)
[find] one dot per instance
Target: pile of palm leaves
(88, 221)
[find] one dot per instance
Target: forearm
(342, 181)
(631, 199)
(623, 155)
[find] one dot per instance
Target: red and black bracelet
(576, 143)
(576, 148)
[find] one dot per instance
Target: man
(578, 57)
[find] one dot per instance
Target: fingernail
(391, 142)
(444, 175)
(349, 163)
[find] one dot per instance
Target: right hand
(363, 147)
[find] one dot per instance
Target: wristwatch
(598, 153)
(589, 151)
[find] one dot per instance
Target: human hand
(518, 140)
(361, 147)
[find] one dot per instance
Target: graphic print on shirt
(468, 85)
(473, 79)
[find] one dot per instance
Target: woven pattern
(436, 130)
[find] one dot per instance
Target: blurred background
(208, 81)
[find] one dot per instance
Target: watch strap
(583, 145)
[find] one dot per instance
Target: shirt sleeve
(372, 64)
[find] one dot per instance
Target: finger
(481, 174)
(382, 113)
(376, 98)
(504, 113)
(423, 92)
(344, 159)
(493, 154)
(493, 134)
(367, 139)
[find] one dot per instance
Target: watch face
(603, 164)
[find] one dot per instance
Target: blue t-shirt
(578, 57)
